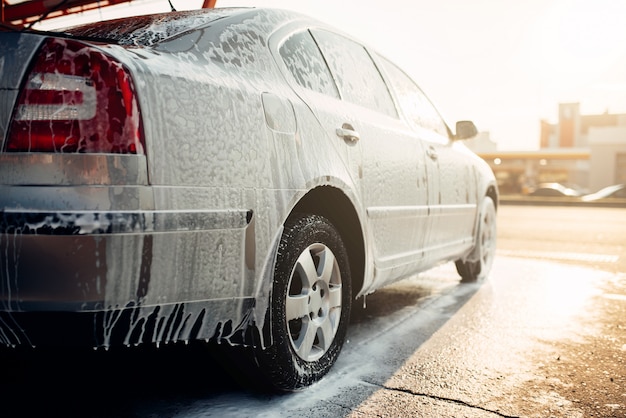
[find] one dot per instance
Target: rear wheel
(310, 303)
(479, 265)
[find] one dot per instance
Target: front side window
(356, 74)
(419, 111)
(306, 64)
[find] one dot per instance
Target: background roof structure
(25, 12)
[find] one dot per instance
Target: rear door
(355, 108)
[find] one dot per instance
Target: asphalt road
(544, 336)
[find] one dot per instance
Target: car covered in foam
(238, 176)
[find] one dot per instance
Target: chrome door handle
(348, 133)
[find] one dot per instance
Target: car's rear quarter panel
(206, 157)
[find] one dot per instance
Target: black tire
(310, 304)
(478, 265)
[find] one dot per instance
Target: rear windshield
(150, 29)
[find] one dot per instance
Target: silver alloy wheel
(313, 303)
(478, 263)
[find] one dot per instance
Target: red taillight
(76, 99)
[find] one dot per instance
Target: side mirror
(465, 129)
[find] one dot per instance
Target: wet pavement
(537, 340)
(544, 336)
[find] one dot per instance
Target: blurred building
(584, 151)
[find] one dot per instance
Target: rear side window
(419, 111)
(305, 62)
(357, 77)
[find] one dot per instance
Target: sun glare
(578, 41)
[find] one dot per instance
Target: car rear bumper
(123, 270)
(94, 260)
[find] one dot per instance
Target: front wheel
(310, 303)
(481, 260)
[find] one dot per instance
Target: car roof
(149, 30)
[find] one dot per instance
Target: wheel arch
(492, 192)
(333, 204)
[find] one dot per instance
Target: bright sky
(504, 64)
